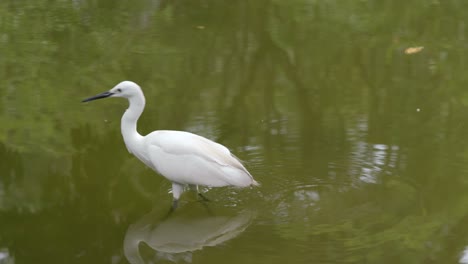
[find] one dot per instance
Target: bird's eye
(119, 90)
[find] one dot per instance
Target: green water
(361, 148)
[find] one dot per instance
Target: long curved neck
(129, 120)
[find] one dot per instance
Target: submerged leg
(175, 203)
(171, 209)
(177, 190)
(203, 197)
(203, 200)
(195, 188)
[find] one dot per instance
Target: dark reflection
(177, 237)
(54, 209)
(13, 174)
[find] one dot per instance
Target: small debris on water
(413, 50)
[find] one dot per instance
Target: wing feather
(195, 151)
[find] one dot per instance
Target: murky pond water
(352, 115)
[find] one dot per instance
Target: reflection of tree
(321, 89)
(11, 167)
(62, 217)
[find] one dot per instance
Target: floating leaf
(413, 50)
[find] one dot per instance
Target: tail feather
(255, 183)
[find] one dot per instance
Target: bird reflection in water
(176, 237)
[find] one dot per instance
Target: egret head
(125, 89)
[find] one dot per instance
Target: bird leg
(177, 190)
(195, 188)
(203, 200)
(203, 197)
(175, 203)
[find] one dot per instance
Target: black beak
(99, 96)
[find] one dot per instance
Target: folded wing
(187, 158)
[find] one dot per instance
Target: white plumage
(182, 157)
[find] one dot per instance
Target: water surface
(359, 142)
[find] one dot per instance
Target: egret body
(181, 157)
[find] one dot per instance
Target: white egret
(181, 157)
